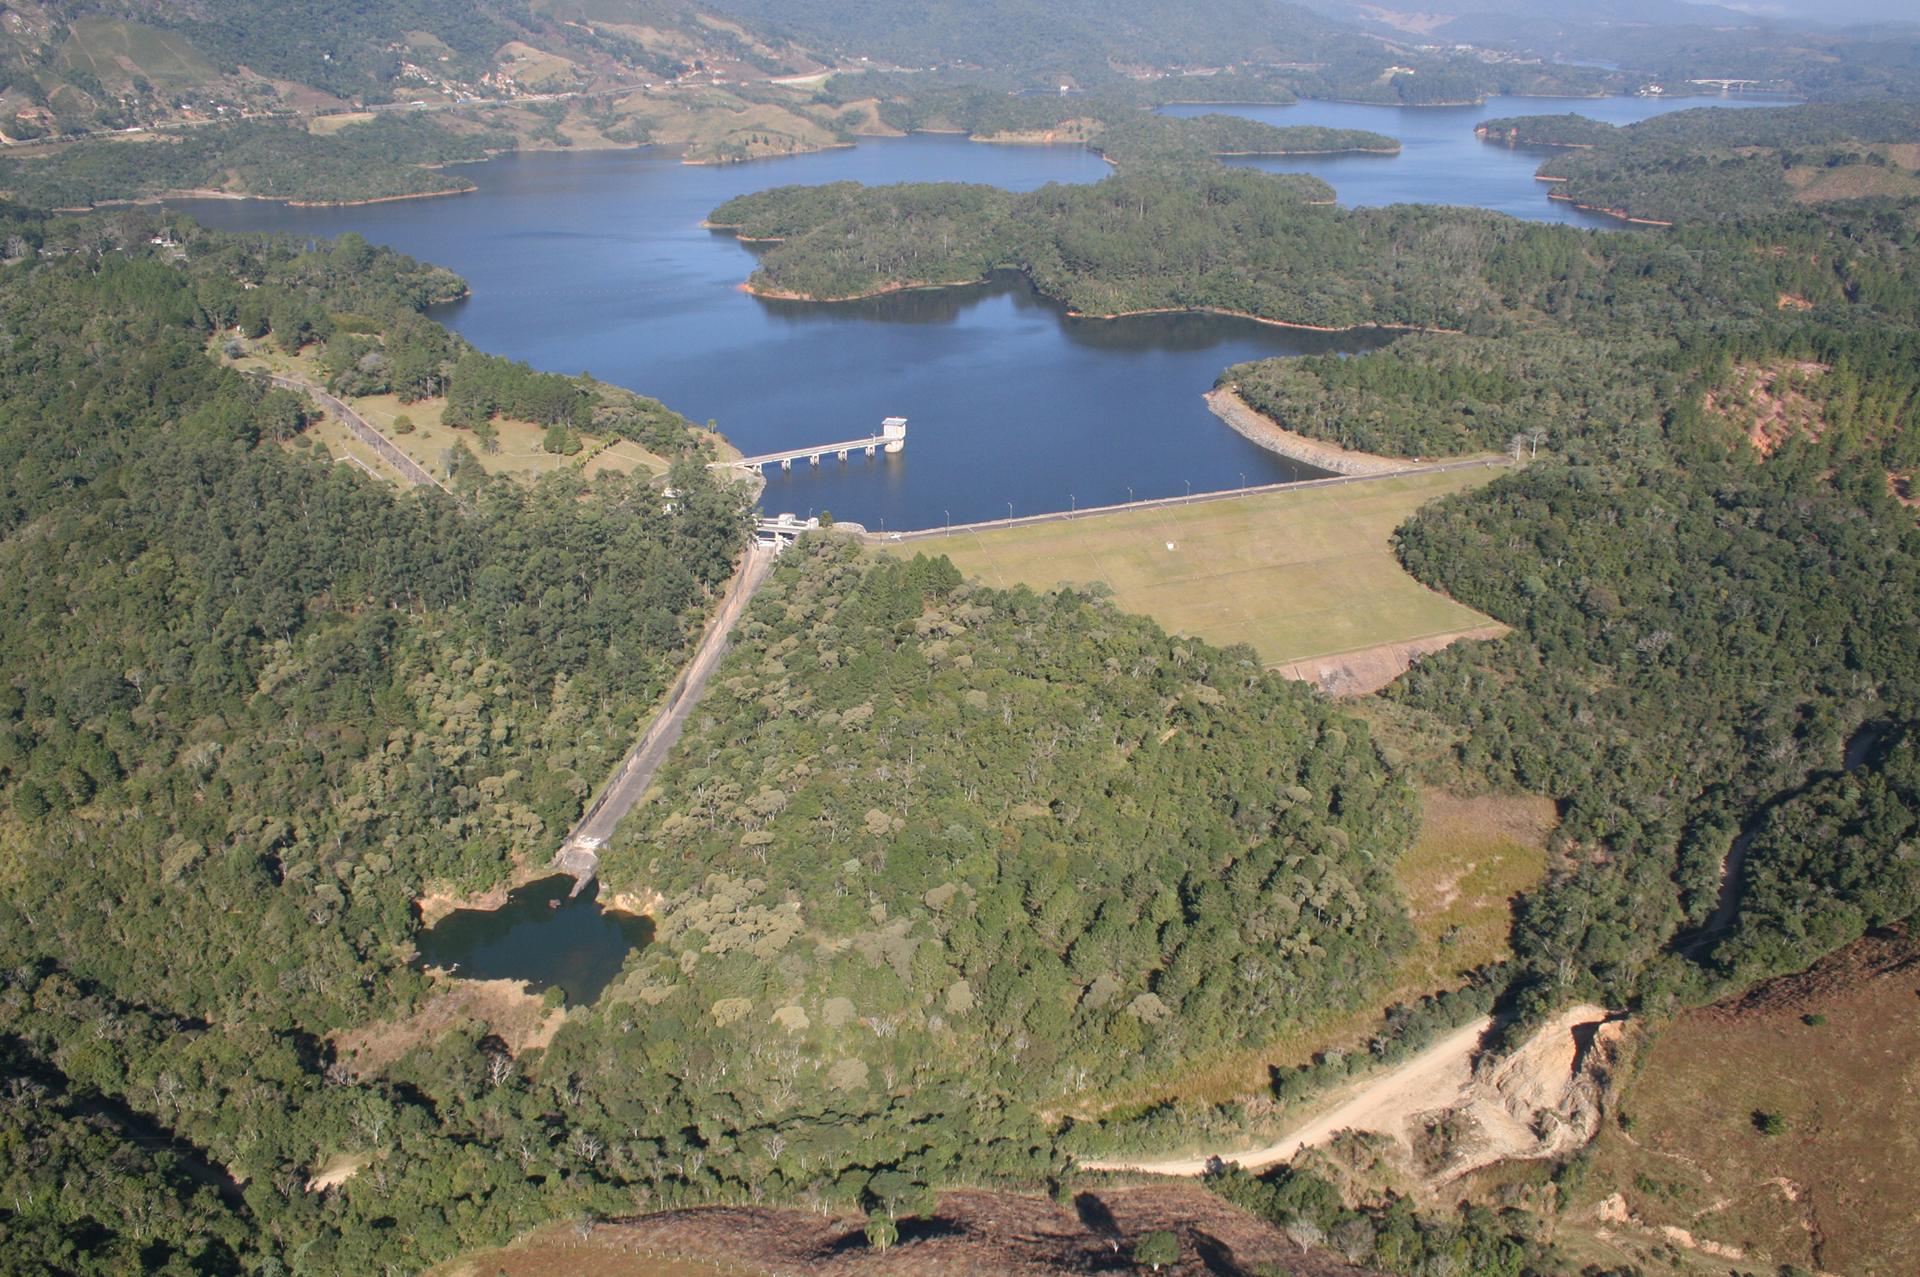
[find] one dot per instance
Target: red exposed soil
(1763, 404)
(1879, 956)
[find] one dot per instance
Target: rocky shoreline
(1227, 405)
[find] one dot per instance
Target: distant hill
(1798, 47)
(1086, 34)
(67, 66)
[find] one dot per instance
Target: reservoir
(1441, 161)
(597, 262)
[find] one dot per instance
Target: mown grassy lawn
(1293, 574)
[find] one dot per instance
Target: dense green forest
(1140, 139)
(843, 241)
(1451, 394)
(376, 160)
(254, 701)
(1206, 236)
(1709, 163)
(1042, 842)
(1569, 129)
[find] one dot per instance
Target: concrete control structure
(892, 438)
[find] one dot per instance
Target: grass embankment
(1295, 575)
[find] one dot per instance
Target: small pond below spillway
(539, 936)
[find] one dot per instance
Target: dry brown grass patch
(1833, 1053)
(519, 1018)
(973, 1234)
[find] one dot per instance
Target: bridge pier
(786, 463)
(814, 461)
(843, 454)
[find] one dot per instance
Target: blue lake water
(1440, 160)
(597, 262)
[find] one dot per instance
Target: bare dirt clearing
(520, 1019)
(1542, 1100)
(1768, 403)
(973, 1234)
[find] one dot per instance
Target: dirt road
(1434, 1079)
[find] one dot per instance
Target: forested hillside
(925, 831)
(377, 160)
(1206, 236)
(1070, 36)
(1696, 165)
(65, 65)
(1705, 638)
(254, 701)
(946, 883)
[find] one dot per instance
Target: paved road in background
(363, 430)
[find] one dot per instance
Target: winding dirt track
(1433, 1079)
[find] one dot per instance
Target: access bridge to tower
(892, 438)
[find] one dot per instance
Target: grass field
(559, 1251)
(1293, 574)
(115, 51)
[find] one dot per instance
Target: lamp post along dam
(892, 438)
